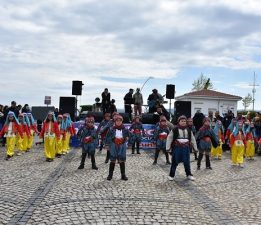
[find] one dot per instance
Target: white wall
(206, 105)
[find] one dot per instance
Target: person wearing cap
(193, 129)
(10, 130)
(136, 132)
(206, 138)
(22, 141)
(117, 137)
(152, 100)
(237, 142)
(89, 141)
(50, 132)
(160, 137)
(217, 152)
(103, 123)
(32, 129)
(179, 142)
(250, 139)
(138, 102)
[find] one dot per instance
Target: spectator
(218, 117)
(138, 102)
(12, 108)
(198, 120)
(211, 118)
(106, 100)
(112, 107)
(128, 101)
(227, 120)
(2, 121)
(56, 112)
(26, 109)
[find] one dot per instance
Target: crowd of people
(202, 135)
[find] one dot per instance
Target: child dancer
(22, 142)
(250, 141)
(105, 131)
(68, 132)
(205, 137)
(32, 129)
(10, 130)
(179, 142)
(103, 123)
(137, 131)
(50, 132)
(160, 136)
(237, 141)
(193, 129)
(89, 140)
(219, 132)
(117, 138)
(59, 142)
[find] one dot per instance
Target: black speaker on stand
(67, 105)
(182, 108)
(77, 87)
(170, 94)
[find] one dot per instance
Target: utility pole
(254, 85)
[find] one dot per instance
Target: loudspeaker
(170, 91)
(182, 108)
(77, 87)
(148, 118)
(68, 105)
(98, 116)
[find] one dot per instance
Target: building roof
(209, 94)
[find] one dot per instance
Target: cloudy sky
(46, 44)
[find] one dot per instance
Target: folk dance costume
(193, 129)
(9, 131)
(205, 137)
(102, 132)
(237, 142)
(32, 129)
(59, 141)
(117, 138)
(250, 141)
(22, 141)
(179, 142)
(50, 132)
(68, 131)
(136, 132)
(105, 131)
(219, 132)
(89, 141)
(160, 136)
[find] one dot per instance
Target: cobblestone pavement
(33, 191)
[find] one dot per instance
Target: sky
(115, 44)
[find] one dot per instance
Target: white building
(209, 100)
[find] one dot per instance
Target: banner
(146, 142)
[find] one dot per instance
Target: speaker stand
(170, 106)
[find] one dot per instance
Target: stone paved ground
(33, 191)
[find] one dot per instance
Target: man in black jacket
(106, 100)
(128, 101)
(198, 120)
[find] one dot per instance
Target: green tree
(201, 83)
(247, 101)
